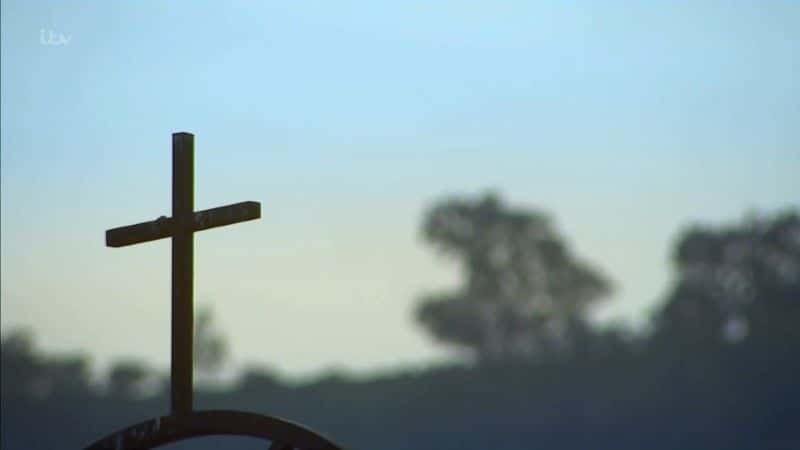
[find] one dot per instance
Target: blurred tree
(210, 346)
(734, 282)
(128, 379)
(525, 294)
(26, 373)
(20, 365)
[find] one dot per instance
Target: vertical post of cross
(182, 272)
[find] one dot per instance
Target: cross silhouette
(181, 227)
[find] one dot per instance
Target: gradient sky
(624, 120)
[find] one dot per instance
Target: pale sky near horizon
(626, 121)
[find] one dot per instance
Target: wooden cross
(181, 227)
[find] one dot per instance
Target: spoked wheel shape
(282, 435)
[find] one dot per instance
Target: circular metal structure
(282, 434)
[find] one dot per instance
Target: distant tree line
(718, 368)
(525, 296)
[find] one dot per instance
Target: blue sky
(624, 120)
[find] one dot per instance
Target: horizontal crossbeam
(201, 220)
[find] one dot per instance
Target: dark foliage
(525, 295)
(734, 283)
(210, 346)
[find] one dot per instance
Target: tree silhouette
(22, 368)
(734, 282)
(128, 378)
(210, 346)
(525, 295)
